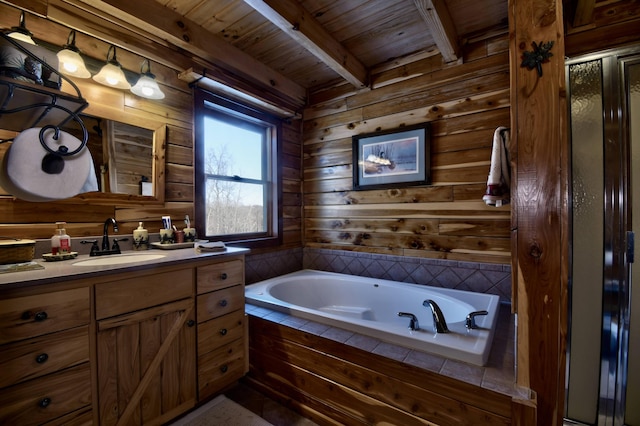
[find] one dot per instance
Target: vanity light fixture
(147, 86)
(21, 32)
(70, 61)
(111, 73)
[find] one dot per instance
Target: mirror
(128, 160)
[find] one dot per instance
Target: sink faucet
(105, 233)
(438, 317)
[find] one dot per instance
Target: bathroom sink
(119, 259)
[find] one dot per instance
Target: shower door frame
(618, 236)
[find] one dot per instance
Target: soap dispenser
(140, 238)
(60, 241)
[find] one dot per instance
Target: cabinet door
(147, 364)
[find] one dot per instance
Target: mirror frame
(159, 151)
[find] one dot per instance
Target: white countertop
(58, 271)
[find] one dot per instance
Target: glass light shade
(147, 87)
(17, 35)
(71, 63)
(113, 76)
(21, 32)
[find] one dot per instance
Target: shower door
(603, 370)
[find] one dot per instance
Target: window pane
(234, 207)
(231, 150)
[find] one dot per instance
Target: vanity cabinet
(134, 346)
(146, 346)
(222, 326)
(44, 353)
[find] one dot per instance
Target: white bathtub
(370, 306)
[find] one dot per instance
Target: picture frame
(392, 158)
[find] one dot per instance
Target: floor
(265, 407)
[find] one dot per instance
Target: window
(238, 190)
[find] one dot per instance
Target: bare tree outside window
(238, 188)
(234, 197)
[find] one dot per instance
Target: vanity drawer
(220, 275)
(40, 400)
(123, 296)
(220, 331)
(31, 316)
(220, 368)
(221, 302)
(38, 356)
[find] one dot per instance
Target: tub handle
(413, 320)
(471, 319)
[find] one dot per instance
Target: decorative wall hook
(541, 53)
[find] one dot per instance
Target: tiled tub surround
(469, 276)
(260, 267)
(393, 368)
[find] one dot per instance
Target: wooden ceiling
(280, 52)
(322, 43)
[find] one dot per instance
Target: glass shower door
(603, 359)
(632, 83)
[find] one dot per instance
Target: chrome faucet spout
(438, 317)
(105, 232)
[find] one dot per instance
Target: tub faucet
(470, 322)
(105, 233)
(438, 318)
(413, 320)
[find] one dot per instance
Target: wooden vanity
(133, 344)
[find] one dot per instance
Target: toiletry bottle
(60, 242)
(140, 238)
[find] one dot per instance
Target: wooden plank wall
(36, 220)
(464, 103)
(335, 383)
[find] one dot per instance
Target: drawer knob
(42, 358)
(223, 302)
(223, 276)
(223, 332)
(44, 402)
(40, 316)
(224, 368)
(191, 323)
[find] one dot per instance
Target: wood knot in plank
(535, 250)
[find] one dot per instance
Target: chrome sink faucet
(105, 232)
(438, 317)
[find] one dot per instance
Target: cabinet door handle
(42, 358)
(223, 302)
(191, 323)
(40, 316)
(223, 332)
(44, 402)
(224, 368)
(223, 276)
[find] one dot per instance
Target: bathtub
(370, 306)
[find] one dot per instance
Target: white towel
(203, 246)
(499, 181)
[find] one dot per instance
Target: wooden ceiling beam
(583, 12)
(298, 23)
(152, 17)
(440, 25)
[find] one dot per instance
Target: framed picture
(392, 158)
